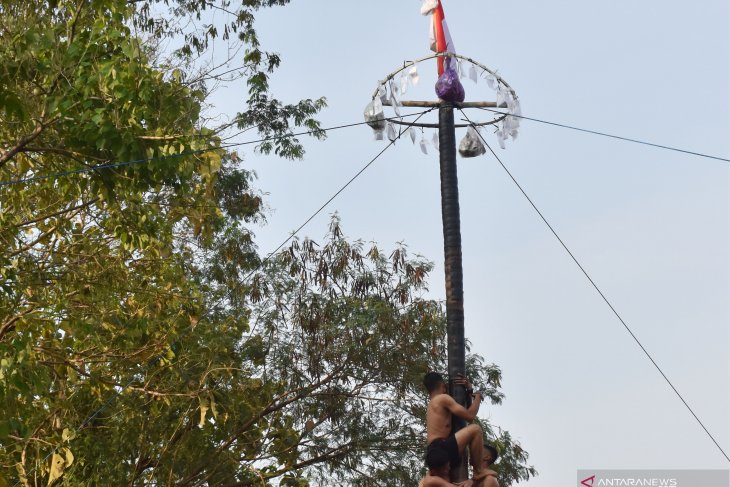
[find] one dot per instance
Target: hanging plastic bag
(396, 106)
(403, 84)
(394, 90)
(462, 69)
(382, 93)
(473, 74)
(375, 118)
(428, 6)
(391, 132)
(492, 81)
(413, 74)
(501, 137)
(511, 126)
(374, 115)
(394, 99)
(504, 98)
(448, 86)
(471, 145)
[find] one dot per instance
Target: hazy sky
(652, 227)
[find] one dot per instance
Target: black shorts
(450, 446)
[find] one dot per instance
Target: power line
(256, 268)
(189, 153)
(331, 198)
(603, 134)
(337, 127)
(595, 286)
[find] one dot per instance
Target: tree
(140, 343)
(96, 266)
(349, 336)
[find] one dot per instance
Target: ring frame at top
(497, 77)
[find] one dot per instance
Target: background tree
(97, 267)
(349, 335)
(136, 345)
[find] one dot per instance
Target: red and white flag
(439, 36)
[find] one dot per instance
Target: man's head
(437, 461)
(434, 383)
(490, 454)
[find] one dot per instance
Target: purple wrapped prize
(448, 86)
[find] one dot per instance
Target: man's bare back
(439, 411)
(438, 418)
(441, 407)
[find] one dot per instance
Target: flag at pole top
(439, 36)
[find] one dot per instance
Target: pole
(452, 266)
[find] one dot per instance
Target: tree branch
(272, 407)
(62, 152)
(60, 212)
(9, 325)
(10, 153)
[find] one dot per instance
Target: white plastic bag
(413, 74)
(391, 132)
(471, 145)
(428, 6)
(374, 115)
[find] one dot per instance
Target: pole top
(390, 90)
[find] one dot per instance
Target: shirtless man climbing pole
(438, 423)
(437, 461)
(490, 456)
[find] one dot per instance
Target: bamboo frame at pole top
(429, 104)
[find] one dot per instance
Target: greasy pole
(452, 266)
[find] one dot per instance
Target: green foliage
(350, 336)
(101, 280)
(273, 120)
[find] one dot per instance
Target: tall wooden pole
(452, 266)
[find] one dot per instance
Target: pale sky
(652, 227)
